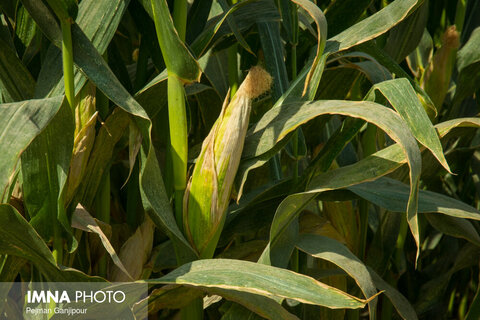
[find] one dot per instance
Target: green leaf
(403, 99)
(32, 116)
(16, 82)
(373, 26)
(18, 238)
(177, 57)
(331, 250)
(45, 166)
(278, 122)
(248, 277)
(393, 196)
(156, 203)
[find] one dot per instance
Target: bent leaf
(403, 99)
(331, 250)
(82, 220)
(248, 277)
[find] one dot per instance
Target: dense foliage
(356, 192)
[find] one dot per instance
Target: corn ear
(208, 191)
(85, 119)
(437, 77)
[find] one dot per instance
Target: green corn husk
(208, 191)
(85, 119)
(437, 77)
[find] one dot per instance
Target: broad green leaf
(401, 304)
(378, 164)
(278, 122)
(455, 227)
(18, 238)
(331, 250)
(373, 26)
(248, 277)
(16, 82)
(45, 165)
(393, 196)
(178, 59)
(403, 99)
(156, 203)
(32, 116)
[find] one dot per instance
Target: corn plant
(246, 159)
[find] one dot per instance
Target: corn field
(246, 159)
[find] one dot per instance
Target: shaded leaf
(18, 238)
(32, 116)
